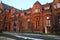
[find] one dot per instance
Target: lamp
(47, 17)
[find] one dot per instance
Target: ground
(5, 38)
(35, 36)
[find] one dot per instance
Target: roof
(6, 6)
(18, 11)
(9, 7)
(37, 2)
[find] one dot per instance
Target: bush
(0, 31)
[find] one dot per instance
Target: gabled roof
(5, 6)
(18, 11)
(37, 2)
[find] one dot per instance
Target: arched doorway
(47, 25)
(30, 25)
(58, 24)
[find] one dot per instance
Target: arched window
(37, 23)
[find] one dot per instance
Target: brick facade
(39, 18)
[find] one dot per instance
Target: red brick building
(39, 18)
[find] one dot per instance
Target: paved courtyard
(5, 38)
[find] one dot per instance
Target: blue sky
(24, 4)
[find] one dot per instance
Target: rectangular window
(48, 23)
(58, 5)
(55, 6)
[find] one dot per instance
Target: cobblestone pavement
(5, 38)
(38, 36)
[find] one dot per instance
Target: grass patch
(11, 36)
(36, 32)
(54, 33)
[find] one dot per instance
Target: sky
(24, 4)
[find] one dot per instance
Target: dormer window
(58, 5)
(46, 8)
(55, 6)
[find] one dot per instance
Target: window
(48, 23)
(46, 8)
(55, 6)
(37, 23)
(58, 5)
(36, 10)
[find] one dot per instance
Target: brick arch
(15, 26)
(44, 22)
